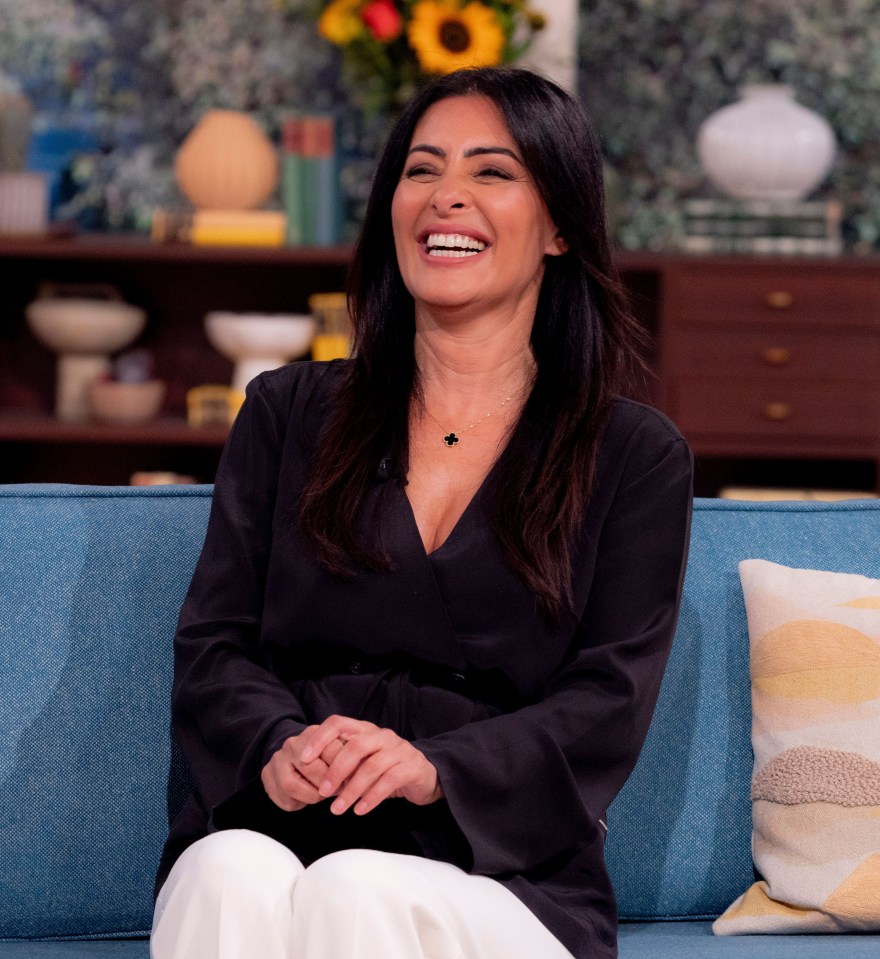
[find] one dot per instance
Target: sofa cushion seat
(78, 949)
(694, 940)
(638, 940)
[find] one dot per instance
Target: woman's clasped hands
(358, 763)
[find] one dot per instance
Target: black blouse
(533, 729)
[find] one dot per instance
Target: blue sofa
(90, 582)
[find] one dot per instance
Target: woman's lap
(239, 893)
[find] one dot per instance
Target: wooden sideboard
(776, 360)
(771, 367)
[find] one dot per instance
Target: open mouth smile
(454, 245)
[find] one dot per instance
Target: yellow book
(221, 227)
(238, 228)
(235, 236)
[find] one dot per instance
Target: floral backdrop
(653, 70)
(136, 75)
(118, 83)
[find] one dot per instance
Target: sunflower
(340, 23)
(447, 37)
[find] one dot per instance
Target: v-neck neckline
(462, 519)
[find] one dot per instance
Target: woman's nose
(449, 195)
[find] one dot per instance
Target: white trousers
(237, 894)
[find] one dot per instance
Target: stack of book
(805, 227)
(309, 184)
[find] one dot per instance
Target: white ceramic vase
(256, 342)
(766, 146)
(83, 332)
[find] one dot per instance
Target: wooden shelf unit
(763, 362)
(176, 284)
(164, 431)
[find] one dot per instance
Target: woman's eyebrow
(473, 152)
(483, 151)
(426, 148)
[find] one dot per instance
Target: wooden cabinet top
(109, 246)
(101, 246)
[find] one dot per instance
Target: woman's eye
(494, 173)
(420, 171)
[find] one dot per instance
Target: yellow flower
(447, 37)
(340, 23)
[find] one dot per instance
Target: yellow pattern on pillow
(866, 602)
(815, 671)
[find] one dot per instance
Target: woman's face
(470, 228)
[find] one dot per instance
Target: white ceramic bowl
(84, 326)
(240, 336)
(259, 341)
(113, 402)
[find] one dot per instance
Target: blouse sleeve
(526, 786)
(230, 713)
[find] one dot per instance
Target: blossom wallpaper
(117, 84)
(653, 70)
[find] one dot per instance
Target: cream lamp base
(75, 372)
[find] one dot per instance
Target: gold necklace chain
(452, 438)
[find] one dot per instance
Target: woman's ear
(557, 246)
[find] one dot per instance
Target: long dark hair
(584, 342)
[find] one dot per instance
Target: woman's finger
(334, 727)
(329, 754)
(392, 783)
(290, 783)
(314, 771)
(364, 778)
(286, 786)
(352, 754)
(396, 768)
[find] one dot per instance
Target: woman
(424, 640)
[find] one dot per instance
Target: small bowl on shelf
(125, 403)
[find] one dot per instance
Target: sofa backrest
(91, 579)
(679, 841)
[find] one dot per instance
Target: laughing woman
(423, 642)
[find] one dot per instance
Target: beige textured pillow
(815, 671)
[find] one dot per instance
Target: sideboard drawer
(719, 408)
(765, 295)
(840, 357)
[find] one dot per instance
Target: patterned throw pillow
(815, 671)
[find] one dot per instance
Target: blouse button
(355, 667)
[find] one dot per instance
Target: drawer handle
(777, 411)
(779, 300)
(777, 356)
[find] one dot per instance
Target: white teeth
(448, 244)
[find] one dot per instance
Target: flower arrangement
(389, 47)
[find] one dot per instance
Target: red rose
(383, 20)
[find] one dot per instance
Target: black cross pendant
(450, 439)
